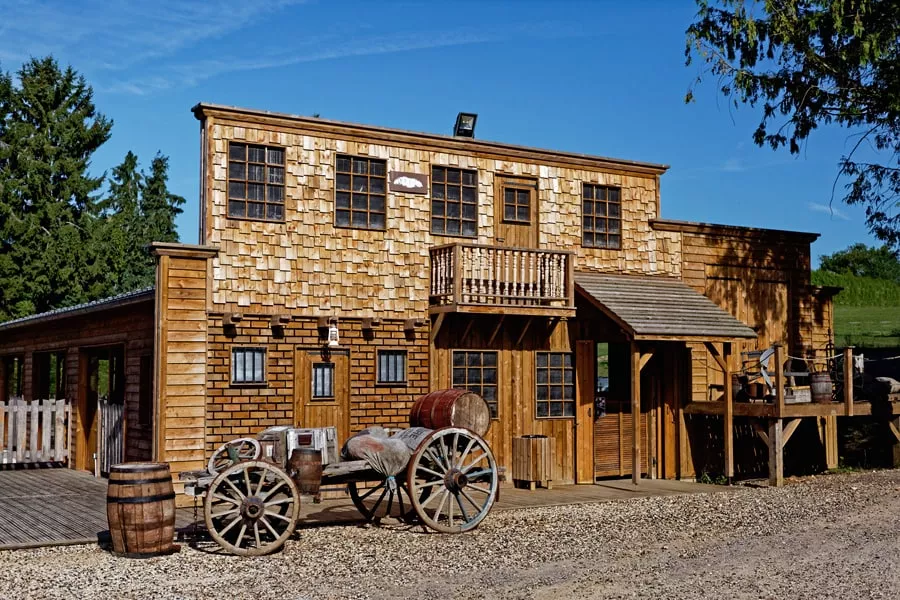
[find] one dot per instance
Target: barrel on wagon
(451, 408)
(140, 506)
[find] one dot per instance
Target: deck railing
(34, 432)
(489, 275)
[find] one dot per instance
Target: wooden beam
(635, 414)
(729, 416)
(715, 354)
(465, 335)
(645, 358)
(524, 330)
(436, 327)
(496, 331)
(779, 380)
(279, 320)
(894, 424)
(789, 431)
(848, 380)
(370, 323)
(761, 432)
(232, 318)
(776, 453)
(828, 436)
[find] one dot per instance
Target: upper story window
(516, 205)
(359, 196)
(454, 201)
(255, 182)
(601, 217)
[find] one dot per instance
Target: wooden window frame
(145, 392)
(494, 405)
(265, 366)
(441, 185)
(595, 216)
(548, 385)
(517, 185)
(353, 194)
(404, 381)
(266, 182)
(332, 368)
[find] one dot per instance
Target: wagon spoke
(437, 513)
(280, 483)
(469, 498)
(430, 472)
(277, 516)
(268, 526)
(372, 491)
(453, 450)
(450, 510)
(259, 486)
(234, 522)
(279, 501)
(390, 503)
(462, 458)
(236, 490)
(256, 533)
(224, 513)
(247, 481)
(224, 498)
(429, 484)
(462, 509)
(477, 474)
(436, 459)
(475, 462)
(472, 486)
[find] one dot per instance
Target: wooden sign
(410, 183)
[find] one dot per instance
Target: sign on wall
(410, 183)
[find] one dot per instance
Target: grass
(867, 326)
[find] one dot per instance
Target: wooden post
(635, 413)
(828, 437)
(729, 415)
(894, 424)
(776, 453)
(779, 380)
(456, 274)
(848, 381)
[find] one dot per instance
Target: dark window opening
(601, 217)
(454, 201)
(477, 372)
(360, 192)
(554, 384)
(255, 182)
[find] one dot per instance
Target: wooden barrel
(306, 466)
(140, 506)
(820, 387)
(451, 408)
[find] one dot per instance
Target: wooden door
(322, 390)
(585, 367)
(516, 212)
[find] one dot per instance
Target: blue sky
(603, 77)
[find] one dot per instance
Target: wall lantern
(334, 338)
(465, 125)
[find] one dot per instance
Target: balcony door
(516, 212)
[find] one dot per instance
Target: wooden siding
(129, 327)
(240, 411)
(181, 302)
(307, 263)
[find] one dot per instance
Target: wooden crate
(533, 460)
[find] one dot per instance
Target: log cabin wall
(128, 327)
(306, 262)
(235, 410)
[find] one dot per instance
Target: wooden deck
(51, 507)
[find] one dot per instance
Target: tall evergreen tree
(49, 128)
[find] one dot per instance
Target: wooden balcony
(488, 279)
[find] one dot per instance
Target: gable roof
(659, 308)
(80, 309)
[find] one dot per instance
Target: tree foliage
(62, 241)
(862, 261)
(808, 63)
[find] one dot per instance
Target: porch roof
(659, 308)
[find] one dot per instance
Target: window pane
(522, 214)
(323, 380)
(588, 191)
(523, 197)
(453, 227)
(509, 212)
(437, 208)
(257, 154)
(237, 170)
(453, 193)
(468, 228)
(359, 219)
(469, 178)
(468, 195)
(342, 218)
(360, 184)
(276, 156)
(256, 173)
(615, 241)
(453, 176)
(256, 191)
(542, 375)
(376, 185)
(600, 209)
(392, 366)
(237, 190)
(343, 182)
(360, 201)
(614, 195)
(542, 359)
(556, 409)
(614, 210)
(543, 409)
(474, 359)
(376, 220)
(489, 375)
(588, 238)
(459, 377)
(276, 175)
(509, 195)
(274, 212)
(360, 166)
(342, 199)
(235, 209)
(437, 225)
(275, 193)
(343, 164)
(490, 359)
(377, 167)
(376, 203)
(237, 151)
(255, 210)
(468, 211)
(437, 191)
(452, 209)
(437, 173)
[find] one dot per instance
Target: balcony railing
(470, 275)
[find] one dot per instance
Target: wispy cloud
(829, 210)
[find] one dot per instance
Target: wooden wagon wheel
(389, 498)
(452, 480)
(233, 452)
(252, 508)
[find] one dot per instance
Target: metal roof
(79, 309)
(663, 307)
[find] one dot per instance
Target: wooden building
(345, 269)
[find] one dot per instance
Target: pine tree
(49, 128)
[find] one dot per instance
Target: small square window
(323, 381)
(248, 365)
(392, 366)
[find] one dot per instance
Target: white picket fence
(34, 432)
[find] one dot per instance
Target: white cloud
(827, 209)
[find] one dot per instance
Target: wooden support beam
(715, 354)
(436, 326)
(494, 333)
(894, 424)
(279, 320)
(412, 324)
(789, 430)
(524, 330)
(776, 453)
(645, 358)
(469, 323)
(324, 321)
(635, 413)
(232, 318)
(848, 380)
(779, 380)
(729, 415)
(760, 431)
(370, 323)
(828, 437)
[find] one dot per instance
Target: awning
(660, 308)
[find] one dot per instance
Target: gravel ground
(831, 536)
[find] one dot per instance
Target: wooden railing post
(570, 279)
(729, 414)
(779, 380)
(456, 274)
(848, 381)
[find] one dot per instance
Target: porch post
(729, 414)
(776, 453)
(635, 413)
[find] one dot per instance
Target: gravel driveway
(835, 536)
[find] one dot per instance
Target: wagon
(251, 504)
